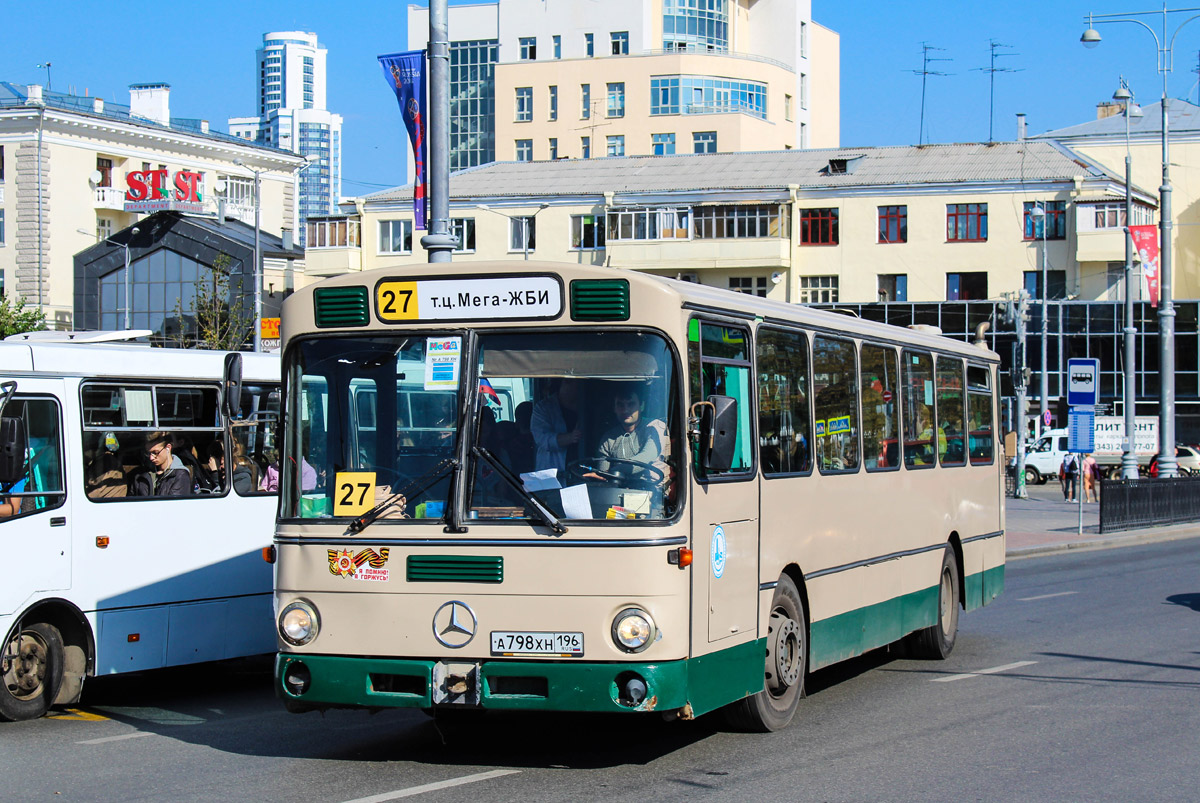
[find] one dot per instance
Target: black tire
(1032, 477)
(786, 666)
(31, 668)
(936, 642)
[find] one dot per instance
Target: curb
(1133, 538)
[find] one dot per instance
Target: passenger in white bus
(555, 427)
(105, 477)
(270, 480)
(169, 476)
(634, 438)
(11, 505)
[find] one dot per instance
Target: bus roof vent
(600, 300)
(341, 306)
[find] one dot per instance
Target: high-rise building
(291, 89)
(549, 79)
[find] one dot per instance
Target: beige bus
(519, 485)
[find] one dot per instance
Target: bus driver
(634, 438)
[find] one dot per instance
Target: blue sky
(206, 52)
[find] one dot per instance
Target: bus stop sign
(1083, 382)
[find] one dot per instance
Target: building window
(524, 104)
(662, 144)
(557, 46)
(1, 163)
(587, 232)
(585, 101)
(528, 48)
(553, 103)
(585, 147)
(616, 100)
(700, 94)
(966, 223)
(966, 286)
(893, 224)
(524, 150)
(104, 167)
(803, 39)
(620, 43)
(787, 108)
(332, 233)
(818, 227)
(521, 232)
(695, 25)
(757, 220)
(1056, 280)
(750, 285)
(589, 41)
(2, 232)
(1055, 220)
(644, 223)
(892, 286)
(803, 91)
(616, 145)
(462, 229)
(818, 289)
(395, 236)
(704, 142)
(553, 147)
(804, 135)
(104, 227)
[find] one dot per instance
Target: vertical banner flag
(405, 73)
(1145, 242)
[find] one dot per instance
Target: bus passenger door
(725, 517)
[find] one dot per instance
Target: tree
(214, 323)
(16, 319)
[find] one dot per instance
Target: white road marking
(433, 787)
(991, 671)
(1047, 596)
(122, 738)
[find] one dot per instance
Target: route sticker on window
(719, 548)
(354, 493)
(441, 362)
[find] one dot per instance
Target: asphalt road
(1080, 683)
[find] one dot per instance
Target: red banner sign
(1145, 242)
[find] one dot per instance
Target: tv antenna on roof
(925, 72)
(992, 70)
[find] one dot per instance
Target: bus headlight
(633, 630)
(298, 623)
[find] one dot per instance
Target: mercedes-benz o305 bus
(687, 500)
(99, 579)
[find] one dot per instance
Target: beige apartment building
(76, 171)
(552, 79)
(914, 223)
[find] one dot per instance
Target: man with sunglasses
(168, 475)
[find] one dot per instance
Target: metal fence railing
(1130, 504)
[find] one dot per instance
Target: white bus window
(880, 407)
(980, 432)
(918, 410)
(784, 430)
(835, 396)
(41, 485)
(951, 445)
(253, 443)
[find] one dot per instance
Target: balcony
(688, 255)
(1100, 245)
(109, 198)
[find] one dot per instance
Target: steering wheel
(650, 474)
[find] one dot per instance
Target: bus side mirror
(12, 450)
(718, 432)
(231, 404)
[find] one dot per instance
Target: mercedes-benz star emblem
(454, 624)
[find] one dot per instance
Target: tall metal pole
(1044, 383)
(1167, 466)
(257, 265)
(1019, 383)
(438, 242)
(1129, 465)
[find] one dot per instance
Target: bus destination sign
(469, 298)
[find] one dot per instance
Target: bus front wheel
(786, 666)
(31, 670)
(937, 641)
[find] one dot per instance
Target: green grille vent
(341, 306)
(455, 569)
(600, 300)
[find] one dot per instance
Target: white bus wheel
(786, 666)
(31, 668)
(937, 641)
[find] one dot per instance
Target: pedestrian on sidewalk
(1068, 474)
(1091, 479)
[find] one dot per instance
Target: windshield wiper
(542, 511)
(409, 491)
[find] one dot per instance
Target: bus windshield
(584, 425)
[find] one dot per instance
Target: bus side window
(835, 404)
(880, 407)
(918, 410)
(41, 485)
(784, 430)
(725, 371)
(981, 434)
(951, 447)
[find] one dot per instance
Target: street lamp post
(1129, 465)
(1167, 465)
(1039, 215)
(257, 255)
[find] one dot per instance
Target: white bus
(98, 579)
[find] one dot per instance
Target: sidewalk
(1044, 523)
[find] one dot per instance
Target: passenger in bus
(270, 480)
(11, 505)
(555, 427)
(168, 475)
(105, 478)
(244, 470)
(633, 437)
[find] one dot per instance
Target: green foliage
(16, 318)
(214, 323)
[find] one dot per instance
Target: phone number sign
(468, 298)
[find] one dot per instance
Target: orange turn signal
(268, 553)
(134, 638)
(102, 541)
(685, 557)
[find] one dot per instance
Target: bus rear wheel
(786, 666)
(31, 670)
(936, 642)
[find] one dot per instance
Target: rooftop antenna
(49, 83)
(925, 72)
(992, 70)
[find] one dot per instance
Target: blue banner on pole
(405, 73)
